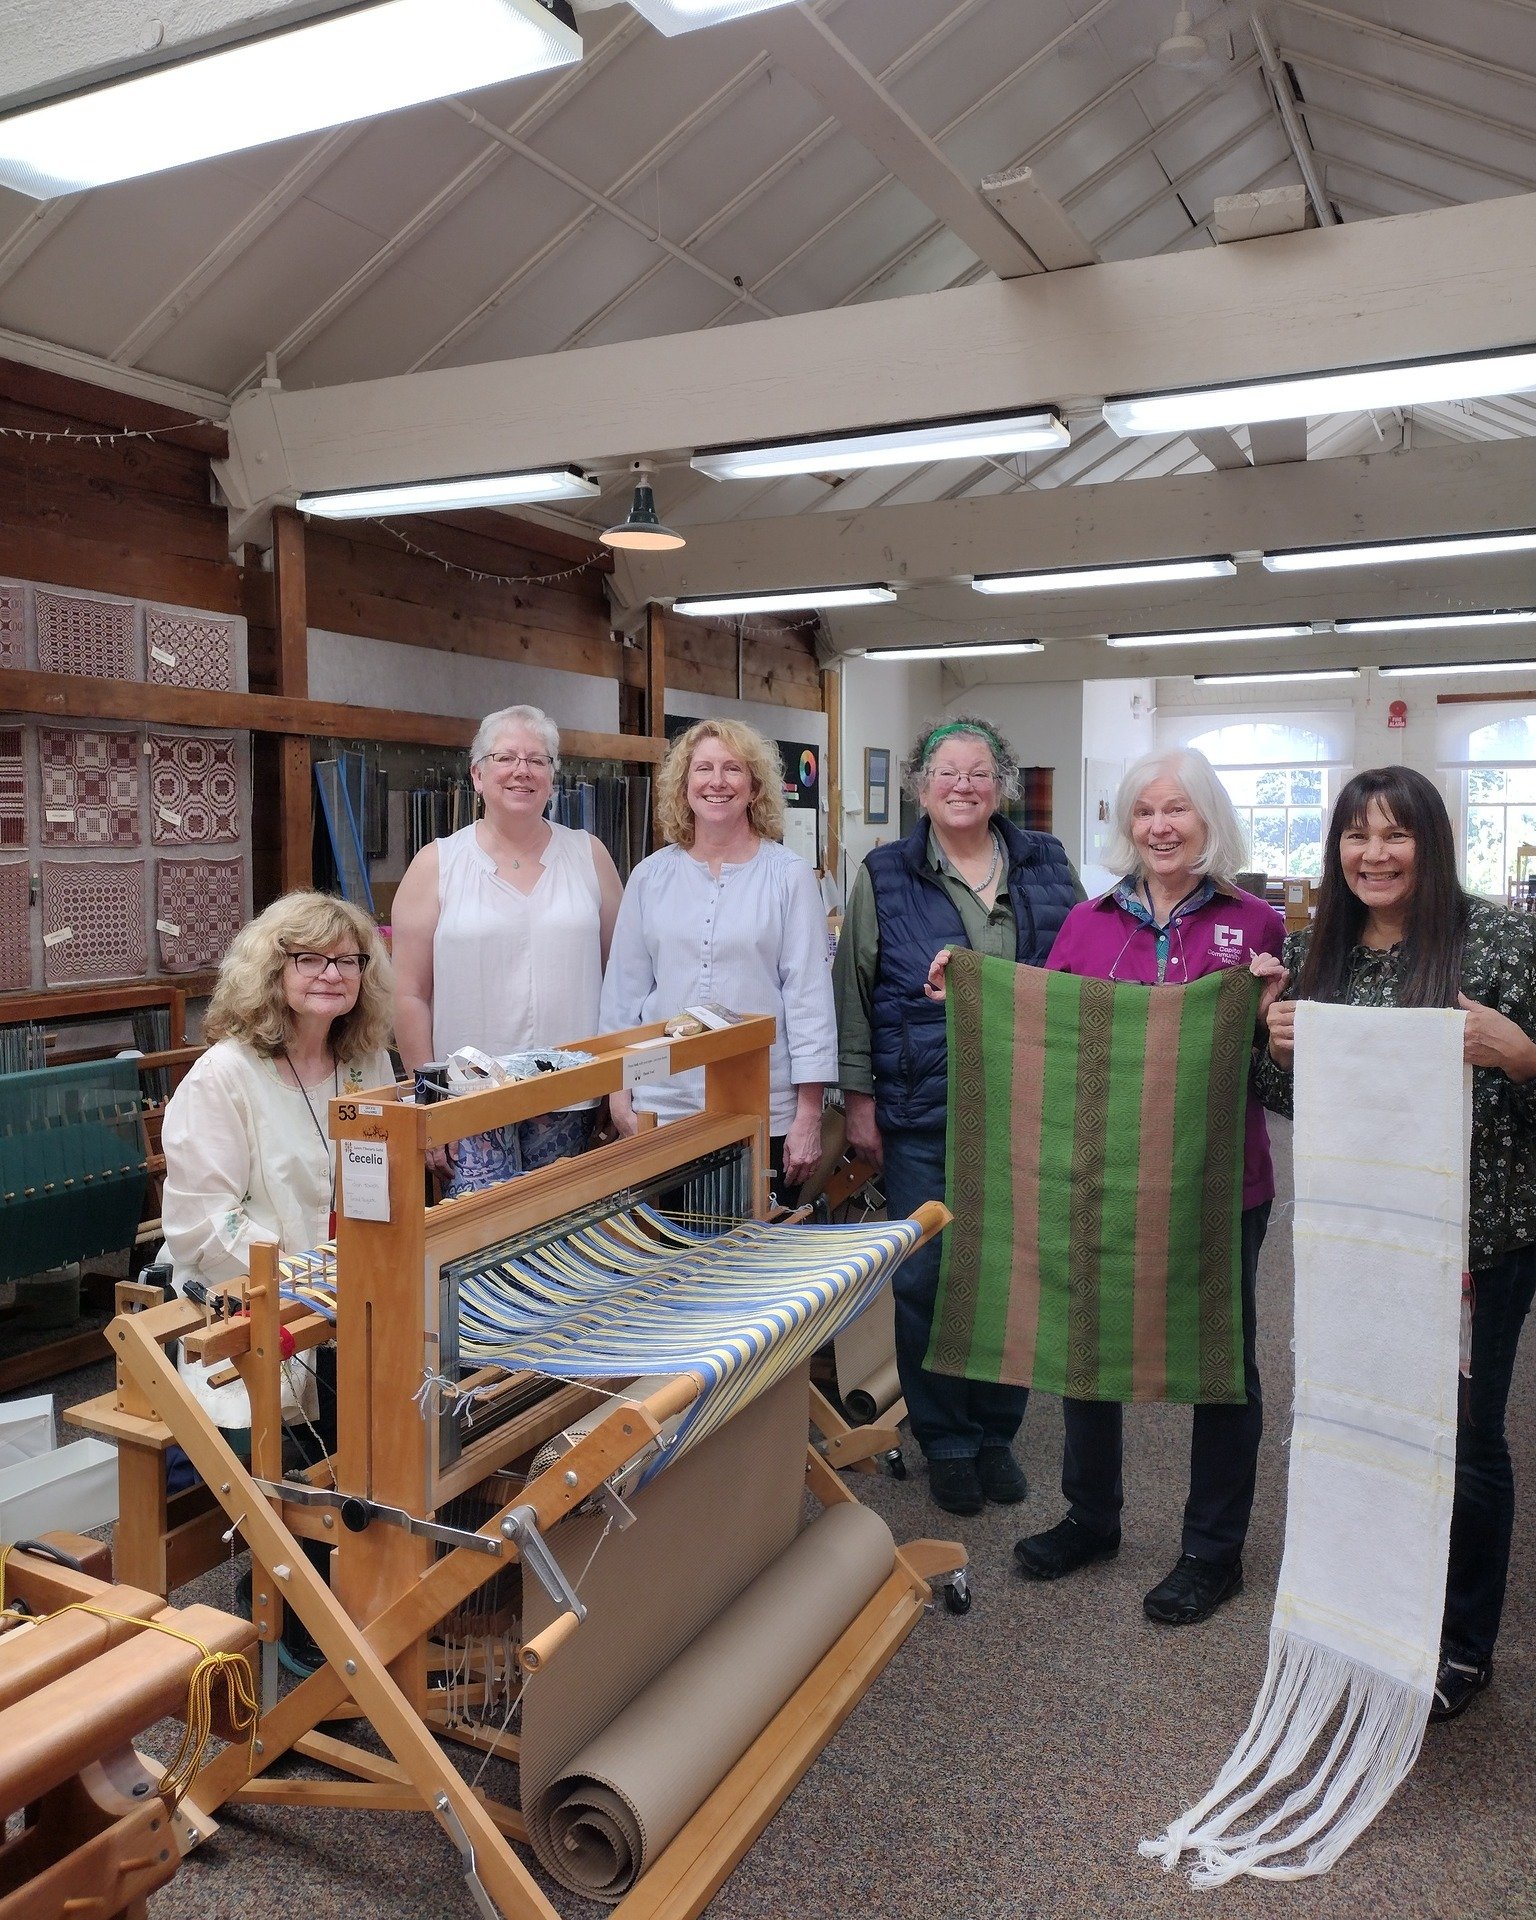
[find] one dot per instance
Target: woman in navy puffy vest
(965, 876)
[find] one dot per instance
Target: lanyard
(324, 1142)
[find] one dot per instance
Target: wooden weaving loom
(403, 1557)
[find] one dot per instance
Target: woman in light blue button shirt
(727, 913)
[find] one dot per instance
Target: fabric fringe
(1380, 1728)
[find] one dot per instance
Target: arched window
(1501, 805)
(1277, 775)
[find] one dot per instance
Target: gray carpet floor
(1007, 1762)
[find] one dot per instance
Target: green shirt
(1498, 969)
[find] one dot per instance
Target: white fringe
(1380, 1729)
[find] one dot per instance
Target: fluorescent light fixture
(1413, 383)
(442, 496)
(1269, 679)
(791, 600)
(1208, 634)
(683, 16)
(1465, 666)
(1130, 573)
(1461, 546)
(959, 651)
(1433, 622)
(350, 65)
(968, 439)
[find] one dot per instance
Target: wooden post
(295, 780)
(832, 784)
(655, 672)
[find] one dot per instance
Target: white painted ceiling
(668, 185)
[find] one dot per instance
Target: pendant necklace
(304, 1091)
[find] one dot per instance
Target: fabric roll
(627, 1793)
(1382, 1148)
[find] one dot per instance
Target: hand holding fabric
(1281, 1020)
(934, 986)
(1494, 1040)
(1275, 978)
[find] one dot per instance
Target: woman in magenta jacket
(1176, 916)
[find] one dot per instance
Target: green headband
(959, 726)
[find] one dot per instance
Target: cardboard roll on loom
(702, 1621)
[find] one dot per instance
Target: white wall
(1363, 704)
(1117, 729)
(382, 673)
(1043, 723)
(884, 704)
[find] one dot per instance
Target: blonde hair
(249, 1004)
(759, 756)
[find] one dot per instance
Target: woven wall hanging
(94, 637)
(194, 789)
(89, 782)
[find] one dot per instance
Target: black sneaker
(1062, 1549)
(955, 1486)
(1002, 1478)
(1456, 1685)
(1193, 1591)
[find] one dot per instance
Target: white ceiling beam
(1284, 97)
(1414, 43)
(1399, 92)
(1423, 284)
(1520, 182)
(1332, 162)
(1039, 220)
(806, 47)
(1383, 496)
(1218, 446)
(1276, 442)
(70, 361)
(37, 226)
(52, 49)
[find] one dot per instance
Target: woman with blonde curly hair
(727, 913)
(301, 1014)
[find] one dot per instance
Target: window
(1277, 776)
(1500, 815)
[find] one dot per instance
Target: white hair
(1224, 853)
(533, 718)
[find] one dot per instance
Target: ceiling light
(1466, 666)
(1130, 573)
(641, 531)
(959, 651)
(1433, 547)
(791, 600)
(1414, 383)
(351, 65)
(1267, 679)
(1431, 622)
(443, 496)
(682, 16)
(1207, 634)
(990, 436)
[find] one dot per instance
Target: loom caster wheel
(896, 1462)
(957, 1592)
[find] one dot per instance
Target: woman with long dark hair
(1395, 928)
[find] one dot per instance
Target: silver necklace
(980, 887)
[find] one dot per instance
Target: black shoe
(1002, 1478)
(1062, 1549)
(1193, 1591)
(955, 1486)
(1456, 1685)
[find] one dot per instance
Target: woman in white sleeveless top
(500, 936)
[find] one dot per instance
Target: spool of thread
(431, 1083)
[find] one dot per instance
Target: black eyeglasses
(349, 966)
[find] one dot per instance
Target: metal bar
(1295, 132)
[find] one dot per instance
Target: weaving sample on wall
(199, 908)
(194, 789)
(76, 635)
(1095, 1172)
(15, 925)
(13, 789)
(94, 923)
(90, 787)
(187, 650)
(13, 631)
(1382, 1145)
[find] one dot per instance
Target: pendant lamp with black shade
(641, 530)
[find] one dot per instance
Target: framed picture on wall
(877, 786)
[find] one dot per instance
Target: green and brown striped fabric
(1095, 1172)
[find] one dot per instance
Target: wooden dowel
(674, 1397)
(534, 1653)
(933, 1217)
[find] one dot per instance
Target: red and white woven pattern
(194, 789)
(90, 787)
(94, 925)
(13, 626)
(15, 926)
(13, 789)
(96, 637)
(185, 650)
(199, 908)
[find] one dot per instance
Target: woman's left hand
(1493, 1040)
(802, 1149)
(934, 986)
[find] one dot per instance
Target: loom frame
(388, 1588)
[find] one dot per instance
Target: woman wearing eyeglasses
(966, 876)
(1176, 916)
(501, 933)
(300, 1015)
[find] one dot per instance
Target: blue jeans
(1223, 1445)
(486, 1159)
(952, 1419)
(1483, 1512)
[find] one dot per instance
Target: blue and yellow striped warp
(634, 1294)
(310, 1277)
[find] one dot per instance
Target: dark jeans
(1483, 1514)
(952, 1419)
(1223, 1447)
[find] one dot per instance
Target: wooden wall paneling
(101, 407)
(779, 665)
